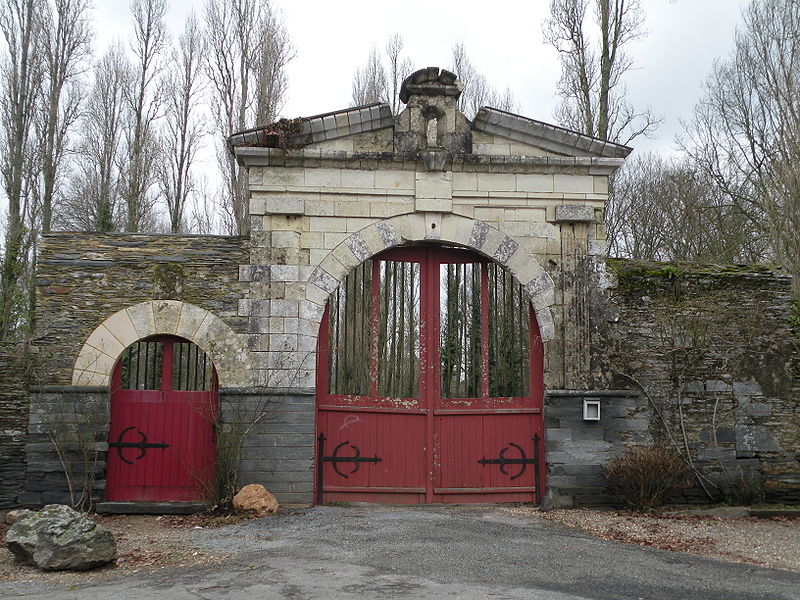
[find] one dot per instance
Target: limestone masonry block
(284, 176)
(434, 185)
(141, 315)
(355, 223)
(285, 239)
(465, 181)
(319, 207)
(327, 224)
(385, 210)
(358, 246)
(497, 182)
(316, 294)
(535, 183)
(434, 204)
(121, 327)
(334, 239)
(600, 184)
(573, 213)
(358, 179)
(310, 239)
(573, 184)
(387, 233)
(166, 314)
(433, 226)
(326, 178)
(284, 205)
(351, 208)
(346, 257)
(190, 321)
(395, 180)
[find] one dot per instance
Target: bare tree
(370, 82)
(593, 64)
(66, 45)
(379, 80)
(746, 127)
(92, 199)
(478, 91)
(22, 70)
(144, 104)
(669, 210)
(248, 50)
(183, 127)
(398, 69)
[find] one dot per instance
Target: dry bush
(644, 477)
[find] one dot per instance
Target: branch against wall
(708, 346)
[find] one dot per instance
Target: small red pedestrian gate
(163, 414)
(429, 383)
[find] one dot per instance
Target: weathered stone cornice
(376, 161)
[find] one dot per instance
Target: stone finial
(430, 81)
(431, 121)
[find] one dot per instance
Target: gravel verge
(773, 543)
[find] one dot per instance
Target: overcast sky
(502, 38)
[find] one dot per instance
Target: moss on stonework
(794, 317)
(623, 268)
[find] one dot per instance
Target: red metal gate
(429, 385)
(163, 411)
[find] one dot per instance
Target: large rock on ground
(254, 499)
(13, 516)
(58, 537)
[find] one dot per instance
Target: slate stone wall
(13, 422)
(713, 351)
(83, 278)
(576, 450)
(279, 449)
(67, 427)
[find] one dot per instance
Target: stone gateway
(422, 312)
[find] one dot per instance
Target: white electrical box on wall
(591, 409)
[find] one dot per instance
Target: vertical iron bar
(146, 381)
(401, 385)
(320, 454)
(536, 488)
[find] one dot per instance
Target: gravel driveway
(427, 552)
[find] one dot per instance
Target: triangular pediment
(549, 139)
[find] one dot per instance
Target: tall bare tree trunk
(66, 47)
(592, 94)
(248, 50)
(20, 21)
(183, 128)
(149, 42)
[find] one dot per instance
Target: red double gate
(163, 413)
(429, 383)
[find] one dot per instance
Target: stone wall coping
(319, 128)
(68, 389)
(373, 161)
(544, 135)
(597, 393)
(122, 234)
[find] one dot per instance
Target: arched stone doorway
(164, 410)
(429, 382)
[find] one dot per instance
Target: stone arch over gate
(102, 349)
(436, 227)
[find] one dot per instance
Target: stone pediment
(431, 121)
(549, 139)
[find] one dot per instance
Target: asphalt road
(379, 552)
